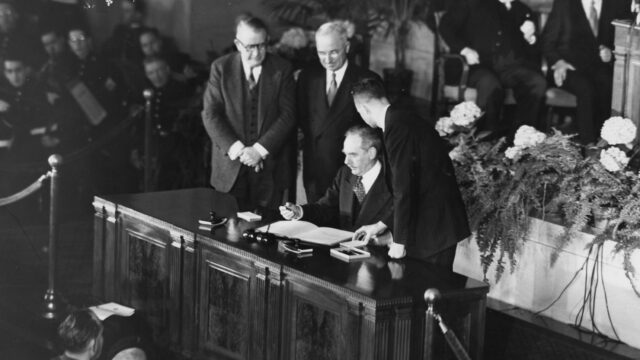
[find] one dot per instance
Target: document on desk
(308, 232)
(105, 310)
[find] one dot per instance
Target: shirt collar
(384, 118)
(586, 4)
(339, 74)
(257, 70)
(370, 176)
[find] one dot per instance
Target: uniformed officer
(25, 109)
(170, 98)
(101, 79)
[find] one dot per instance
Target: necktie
(358, 189)
(252, 80)
(593, 18)
(333, 88)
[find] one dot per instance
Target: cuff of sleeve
(301, 213)
(261, 150)
(234, 150)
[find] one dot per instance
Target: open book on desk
(308, 232)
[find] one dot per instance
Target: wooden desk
(215, 295)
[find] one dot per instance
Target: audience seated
(577, 42)
(101, 79)
(24, 105)
(123, 44)
(497, 39)
(13, 35)
(182, 66)
(56, 71)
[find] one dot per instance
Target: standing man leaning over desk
(248, 114)
(325, 109)
(359, 194)
(429, 215)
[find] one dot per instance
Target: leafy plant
(505, 197)
(394, 17)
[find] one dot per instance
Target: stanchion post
(430, 297)
(51, 301)
(148, 96)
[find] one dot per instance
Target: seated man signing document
(359, 194)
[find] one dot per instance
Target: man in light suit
(346, 204)
(577, 42)
(248, 114)
(325, 109)
(429, 215)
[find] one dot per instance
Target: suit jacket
(429, 215)
(323, 126)
(567, 34)
(224, 114)
(336, 208)
(487, 27)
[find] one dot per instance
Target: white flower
(618, 130)
(348, 26)
(613, 159)
(527, 136)
(295, 38)
(444, 126)
(513, 152)
(457, 154)
(465, 113)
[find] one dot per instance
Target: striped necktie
(593, 18)
(358, 189)
(333, 89)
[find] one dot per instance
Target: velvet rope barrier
(35, 186)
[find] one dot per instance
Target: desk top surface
(377, 278)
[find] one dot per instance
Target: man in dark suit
(325, 109)
(497, 39)
(248, 113)
(347, 204)
(429, 215)
(577, 42)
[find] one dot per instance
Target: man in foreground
(429, 215)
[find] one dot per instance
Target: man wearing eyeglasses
(325, 109)
(249, 115)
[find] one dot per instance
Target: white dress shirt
(586, 4)
(370, 176)
(339, 76)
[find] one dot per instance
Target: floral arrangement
(619, 133)
(542, 173)
(526, 137)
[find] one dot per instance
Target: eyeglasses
(252, 47)
(77, 39)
